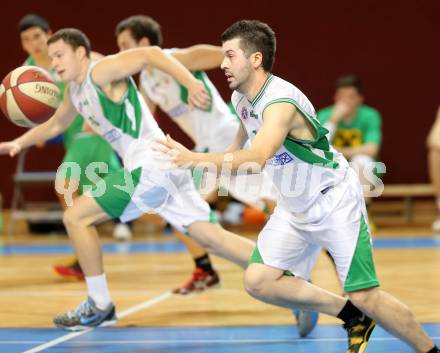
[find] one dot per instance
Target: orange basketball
(29, 96)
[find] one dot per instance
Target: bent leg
(271, 286)
(220, 242)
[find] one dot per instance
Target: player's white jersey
(212, 129)
(127, 125)
(301, 170)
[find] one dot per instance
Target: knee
(254, 282)
(71, 218)
(366, 299)
(360, 298)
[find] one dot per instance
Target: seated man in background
(354, 129)
(433, 144)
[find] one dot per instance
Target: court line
(72, 293)
(409, 242)
(21, 342)
(115, 293)
(121, 315)
(235, 341)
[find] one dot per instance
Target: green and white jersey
(127, 125)
(212, 129)
(300, 170)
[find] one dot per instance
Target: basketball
(29, 96)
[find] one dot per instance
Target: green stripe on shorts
(118, 192)
(257, 259)
(362, 274)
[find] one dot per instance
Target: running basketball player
(321, 202)
(81, 144)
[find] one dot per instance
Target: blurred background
(392, 46)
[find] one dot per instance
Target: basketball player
(325, 208)
(81, 144)
(211, 129)
(104, 93)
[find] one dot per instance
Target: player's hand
(11, 147)
(174, 153)
(340, 111)
(198, 97)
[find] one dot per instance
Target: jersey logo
(112, 135)
(280, 159)
(253, 115)
(244, 113)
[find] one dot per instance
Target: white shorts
(337, 221)
(172, 195)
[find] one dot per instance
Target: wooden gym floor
(142, 273)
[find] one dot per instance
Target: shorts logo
(281, 159)
(112, 135)
(244, 113)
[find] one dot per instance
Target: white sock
(98, 291)
(437, 202)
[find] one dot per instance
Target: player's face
(65, 60)
(33, 41)
(236, 65)
(349, 96)
(126, 41)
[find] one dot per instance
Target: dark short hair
(349, 81)
(33, 20)
(72, 36)
(255, 36)
(141, 26)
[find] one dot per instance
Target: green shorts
(88, 158)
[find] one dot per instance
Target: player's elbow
(54, 128)
(151, 53)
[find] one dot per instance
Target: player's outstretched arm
(119, 66)
(59, 122)
(278, 121)
(200, 57)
